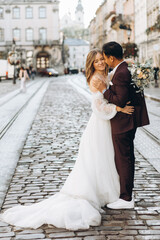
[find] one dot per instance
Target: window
(42, 12)
(16, 12)
(29, 54)
(29, 12)
(1, 12)
(42, 34)
(16, 34)
(29, 34)
(1, 35)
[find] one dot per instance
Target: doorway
(42, 60)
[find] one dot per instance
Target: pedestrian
(28, 71)
(33, 73)
(156, 70)
(93, 181)
(23, 75)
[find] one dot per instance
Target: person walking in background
(23, 77)
(156, 70)
(33, 73)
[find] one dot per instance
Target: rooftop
(79, 6)
(13, 2)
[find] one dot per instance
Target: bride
(94, 181)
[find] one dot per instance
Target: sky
(90, 7)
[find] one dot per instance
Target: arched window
(17, 34)
(29, 34)
(16, 12)
(42, 12)
(1, 35)
(1, 13)
(42, 34)
(29, 12)
(42, 60)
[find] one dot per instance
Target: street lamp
(13, 59)
(129, 33)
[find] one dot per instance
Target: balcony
(125, 26)
(109, 14)
(9, 43)
(116, 21)
(45, 43)
(155, 27)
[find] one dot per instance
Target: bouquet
(141, 75)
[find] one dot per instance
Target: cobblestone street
(48, 157)
(7, 86)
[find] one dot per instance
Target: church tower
(79, 14)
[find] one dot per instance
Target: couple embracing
(103, 174)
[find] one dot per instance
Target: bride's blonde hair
(89, 63)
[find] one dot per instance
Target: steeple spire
(79, 7)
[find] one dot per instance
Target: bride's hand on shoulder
(127, 109)
(92, 89)
(98, 84)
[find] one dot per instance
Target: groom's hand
(99, 85)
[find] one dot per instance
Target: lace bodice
(101, 107)
(106, 79)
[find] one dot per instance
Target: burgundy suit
(124, 126)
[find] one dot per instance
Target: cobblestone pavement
(7, 86)
(46, 160)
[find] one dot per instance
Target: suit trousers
(125, 162)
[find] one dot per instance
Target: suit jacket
(119, 94)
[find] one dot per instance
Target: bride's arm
(105, 110)
(100, 106)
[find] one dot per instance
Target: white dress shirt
(113, 72)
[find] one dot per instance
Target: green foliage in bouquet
(142, 75)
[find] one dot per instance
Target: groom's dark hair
(113, 49)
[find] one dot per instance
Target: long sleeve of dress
(102, 108)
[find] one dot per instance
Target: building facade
(34, 26)
(129, 21)
(79, 14)
(78, 50)
(140, 28)
(77, 22)
(153, 34)
(110, 33)
(114, 20)
(92, 33)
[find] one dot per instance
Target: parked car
(49, 72)
(73, 70)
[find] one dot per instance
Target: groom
(123, 125)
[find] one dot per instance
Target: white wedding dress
(92, 183)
